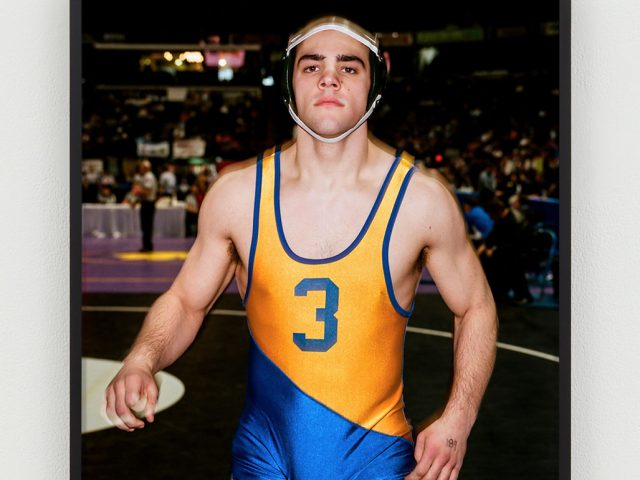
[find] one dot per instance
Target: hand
(439, 451)
(132, 393)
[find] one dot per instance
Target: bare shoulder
(430, 192)
(236, 178)
(431, 207)
(230, 198)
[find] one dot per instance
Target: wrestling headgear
(377, 66)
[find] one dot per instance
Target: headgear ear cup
(377, 67)
(378, 77)
(288, 60)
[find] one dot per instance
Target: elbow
(482, 318)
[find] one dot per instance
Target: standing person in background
(148, 193)
(192, 207)
(503, 255)
(327, 238)
(168, 181)
(479, 222)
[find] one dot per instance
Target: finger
(439, 470)
(418, 450)
(110, 410)
(139, 407)
(123, 410)
(455, 472)
(136, 397)
(420, 470)
(152, 400)
(436, 468)
(445, 473)
(133, 390)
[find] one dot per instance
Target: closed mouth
(328, 101)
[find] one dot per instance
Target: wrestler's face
(331, 81)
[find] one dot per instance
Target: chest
(323, 224)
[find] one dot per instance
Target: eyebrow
(340, 58)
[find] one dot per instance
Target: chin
(332, 130)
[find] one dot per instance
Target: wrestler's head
(333, 77)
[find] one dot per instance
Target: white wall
(34, 239)
(606, 239)
(34, 253)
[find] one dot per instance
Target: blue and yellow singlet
(324, 397)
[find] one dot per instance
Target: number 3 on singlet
(324, 314)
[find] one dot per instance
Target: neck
(331, 163)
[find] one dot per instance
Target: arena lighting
(427, 55)
(192, 57)
(178, 62)
(232, 59)
(168, 56)
(268, 81)
(225, 74)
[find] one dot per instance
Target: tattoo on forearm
(451, 443)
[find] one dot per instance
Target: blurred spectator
(167, 183)
(133, 196)
(479, 223)
(519, 212)
(107, 179)
(106, 195)
(202, 186)
(148, 194)
(488, 179)
(192, 207)
(210, 174)
(183, 189)
(90, 178)
(503, 256)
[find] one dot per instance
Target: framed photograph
(166, 98)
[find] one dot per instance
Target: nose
(329, 79)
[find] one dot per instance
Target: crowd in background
(495, 140)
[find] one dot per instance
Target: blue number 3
(325, 314)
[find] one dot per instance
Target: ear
(387, 61)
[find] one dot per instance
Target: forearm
(474, 352)
(441, 446)
(168, 330)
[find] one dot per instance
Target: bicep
(206, 272)
(459, 277)
(211, 262)
(453, 262)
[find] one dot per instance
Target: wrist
(461, 417)
(136, 359)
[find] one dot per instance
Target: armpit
(422, 259)
(233, 253)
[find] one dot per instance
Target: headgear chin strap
(377, 65)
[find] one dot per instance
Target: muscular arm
(175, 317)
(455, 268)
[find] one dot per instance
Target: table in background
(120, 220)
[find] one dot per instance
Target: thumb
(419, 448)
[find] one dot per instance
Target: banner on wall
(189, 148)
(148, 149)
